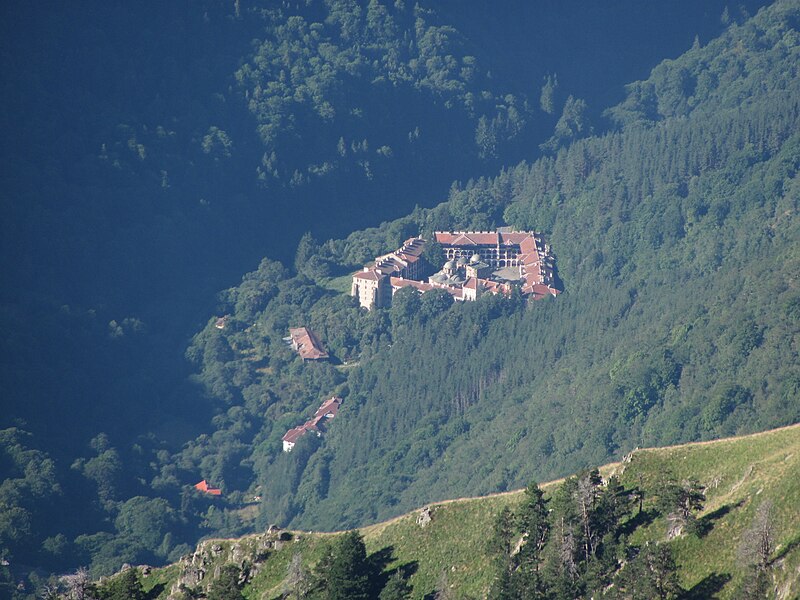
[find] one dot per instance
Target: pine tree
(652, 574)
(306, 248)
(547, 99)
(226, 587)
(348, 578)
(125, 586)
(397, 588)
(532, 519)
(679, 501)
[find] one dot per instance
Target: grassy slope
(739, 473)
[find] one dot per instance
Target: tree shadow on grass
(379, 560)
(707, 588)
(786, 549)
(155, 592)
(706, 523)
(642, 519)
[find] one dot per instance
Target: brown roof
(413, 246)
(399, 282)
(295, 434)
(487, 238)
(329, 407)
(444, 237)
(369, 275)
(540, 289)
(313, 423)
(410, 258)
(515, 237)
(528, 245)
(495, 286)
(307, 344)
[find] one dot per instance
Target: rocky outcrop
(425, 516)
(199, 569)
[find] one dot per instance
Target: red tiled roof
(295, 434)
(444, 237)
(515, 237)
(413, 246)
(399, 282)
(204, 487)
(370, 275)
(535, 267)
(495, 286)
(409, 258)
(478, 239)
(487, 238)
(543, 290)
(329, 407)
(307, 344)
(313, 423)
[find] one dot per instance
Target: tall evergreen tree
(679, 502)
(547, 98)
(348, 577)
(227, 586)
(397, 588)
(532, 518)
(651, 575)
(125, 586)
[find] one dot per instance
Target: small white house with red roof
(327, 410)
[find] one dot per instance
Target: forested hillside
(142, 178)
(154, 156)
(675, 237)
(708, 520)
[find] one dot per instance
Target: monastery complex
(478, 262)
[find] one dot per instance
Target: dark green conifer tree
(397, 588)
(348, 577)
(227, 586)
(652, 574)
(125, 586)
(532, 519)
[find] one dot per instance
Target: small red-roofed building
(307, 344)
(290, 437)
(327, 410)
(207, 489)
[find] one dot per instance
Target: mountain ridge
(729, 503)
